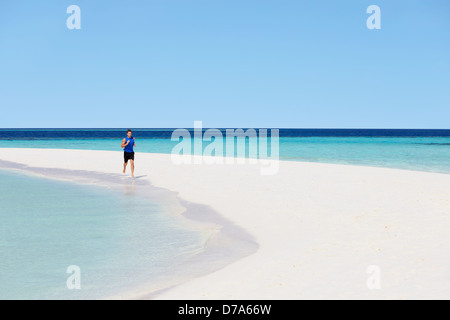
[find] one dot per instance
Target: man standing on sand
(127, 144)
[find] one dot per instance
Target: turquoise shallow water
(120, 241)
(413, 153)
(418, 153)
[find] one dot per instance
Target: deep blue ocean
(165, 133)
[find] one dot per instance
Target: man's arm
(134, 142)
(123, 145)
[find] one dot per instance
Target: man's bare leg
(132, 168)
(125, 167)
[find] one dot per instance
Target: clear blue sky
(229, 63)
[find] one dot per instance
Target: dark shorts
(128, 156)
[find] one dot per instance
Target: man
(127, 144)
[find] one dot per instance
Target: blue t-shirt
(129, 147)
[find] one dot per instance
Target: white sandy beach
(318, 226)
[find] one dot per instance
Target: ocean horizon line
(220, 128)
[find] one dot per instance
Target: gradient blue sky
(229, 63)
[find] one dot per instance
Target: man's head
(129, 133)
